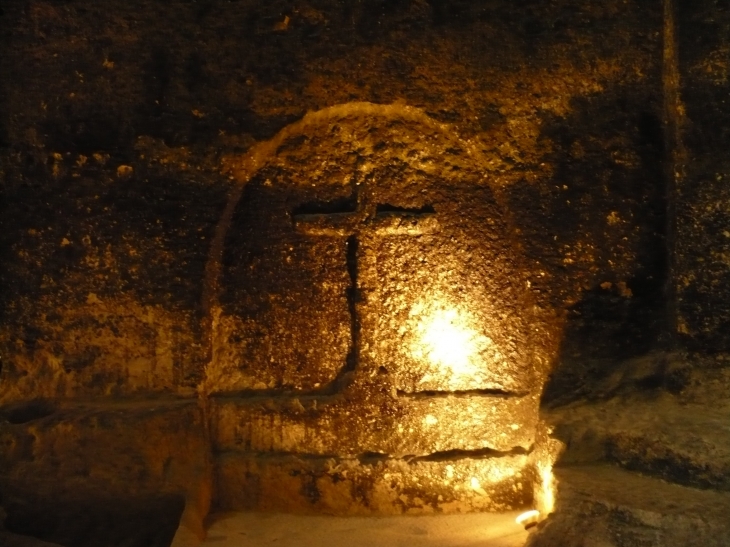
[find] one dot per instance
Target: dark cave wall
(119, 121)
(702, 267)
(117, 117)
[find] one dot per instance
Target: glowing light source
(545, 498)
(448, 342)
(445, 338)
(547, 488)
(548, 450)
(528, 517)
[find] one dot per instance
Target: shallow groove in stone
(322, 394)
(463, 393)
(481, 454)
(372, 458)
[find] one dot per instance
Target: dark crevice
(131, 522)
(387, 208)
(343, 205)
(353, 297)
(21, 413)
(463, 393)
(372, 458)
(284, 455)
(479, 454)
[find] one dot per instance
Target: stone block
(371, 486)
(604, 506)
(416, 426)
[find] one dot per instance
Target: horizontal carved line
(480, 454)
(328, 394)
(372, 458)
(433, 394)
(253, 394)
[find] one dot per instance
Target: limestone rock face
(700, 175)
(605, 506)
(368, 297)
(368, 239)
(374, 486)
(88, 474)
(324, 255)
(643, 467)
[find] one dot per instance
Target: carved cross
(360, 219)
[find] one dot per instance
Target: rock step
(606, 506)
(687, 444)
(397, 427)
(286, 530)
(102, 473)
(379, 486)
(14, 540)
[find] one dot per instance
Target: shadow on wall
(611, 342)
(604, 216)
(133, 522)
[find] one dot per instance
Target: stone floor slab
(281, 530)
(606, 506)
(667, 437)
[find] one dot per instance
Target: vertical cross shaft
(359, 226)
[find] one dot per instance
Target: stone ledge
(601, 505)
(129, 446)
(246, 529)
(397, 428)
(287, 483)
(683, 443)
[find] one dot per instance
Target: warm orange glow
(527, 516)
(548, 450)
(547, 489)
(447, 340)
(544, 497)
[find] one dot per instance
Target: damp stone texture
(369, 308)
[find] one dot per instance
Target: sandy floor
(263, 530)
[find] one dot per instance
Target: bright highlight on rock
(446, 339)
(528, 517)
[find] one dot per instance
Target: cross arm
(327, 224)
(406, 224)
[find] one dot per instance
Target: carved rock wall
(116, 127)
(127, 127)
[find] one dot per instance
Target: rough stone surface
(59, 439)
(608, 507)
(111, 463)
(533, 132)
(647, 464)
(114, 133)
(106, 347)
(702, 171)
(397, 427)
(348, 262)
(373, 485)
(365, 228)
(680, 438)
